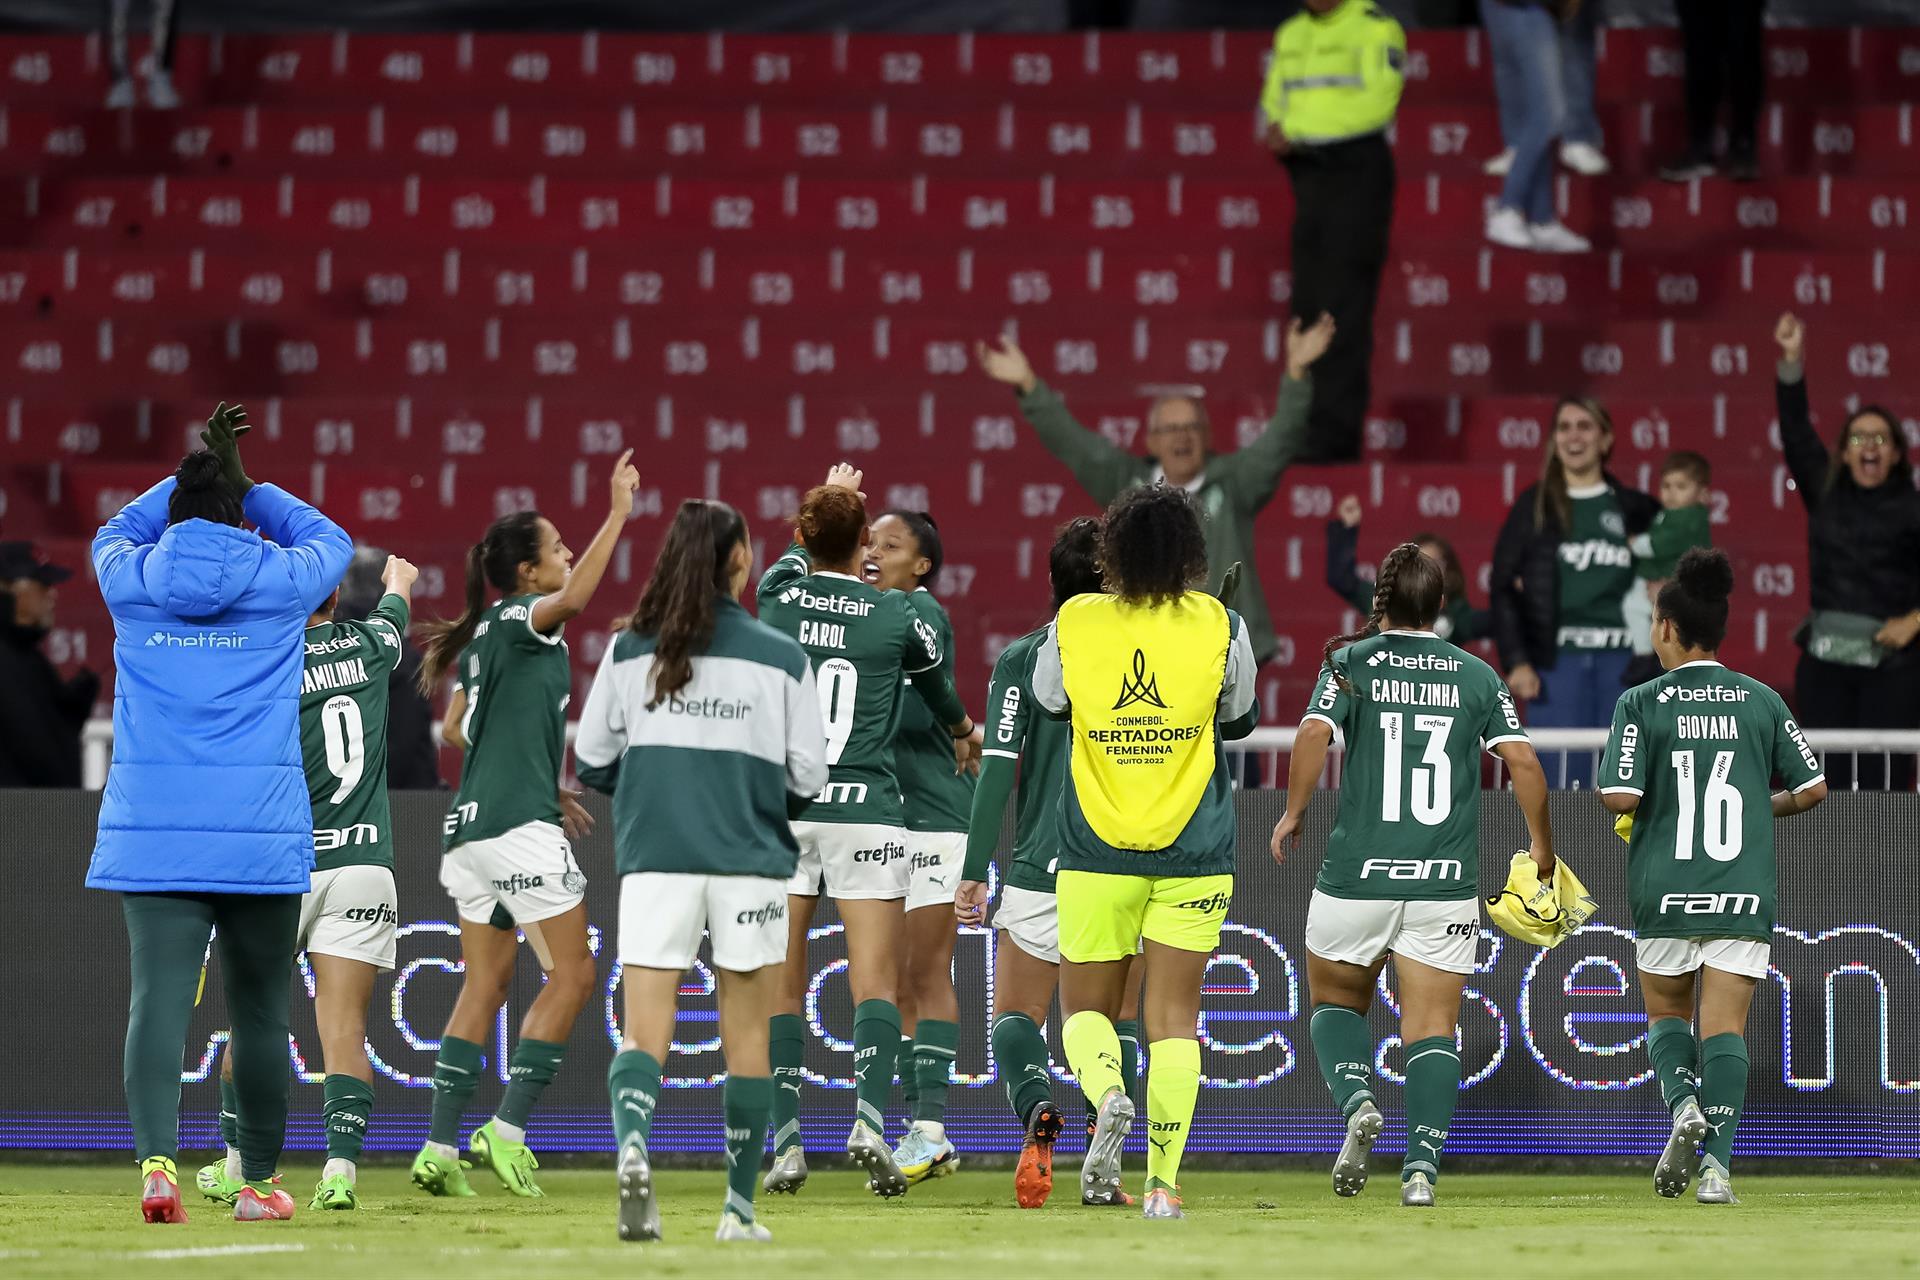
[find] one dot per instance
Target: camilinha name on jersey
(1415, 713)
(518, 682)
(343, 735)
(1701, 747)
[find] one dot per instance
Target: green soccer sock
(748, 1101)
(786, 1053)
(1723, 1092)
(876, 1047)
(1433, 1086)
(1021, 1052)
(935, 1043)
(1128, 1029)
(229, 1114)
(633, 1090)
(1173, 1086)
(345, 1108)
(909, 1079)
(1344, 1048)
(534, 1065)
(456, 1074)
(1675, 1057)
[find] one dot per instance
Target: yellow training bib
(1144, 684)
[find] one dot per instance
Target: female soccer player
(861, 640)
(1026, 959)
(505, 845)
(1399, 876)
(1147, 824)
(905, 555)
(1689, 756)
(705, 726)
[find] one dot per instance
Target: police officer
(1331, 93)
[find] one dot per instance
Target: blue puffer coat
(207, 793)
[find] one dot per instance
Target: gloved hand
(222, 439)
(1230, 584)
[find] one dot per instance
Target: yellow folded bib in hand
(1623, 827)
(1542, 913)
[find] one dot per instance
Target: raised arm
(1343, 556)
(1103, 469)
(550, 613)
(1807, 459)
(1254, 472)
(317, 550)
(138, 524)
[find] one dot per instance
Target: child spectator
(1683, 523)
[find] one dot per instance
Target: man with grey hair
(1230, 488)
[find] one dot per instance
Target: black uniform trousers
(1830, 696)
(1342, 218)
(1722, 42)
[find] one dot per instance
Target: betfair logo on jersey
(848, 605)
(1414, 661)
(197, 640)
(316, 648)
(1595, 553)
(382, 913)
(888, 852)
(1218, 902)
(326, 839)
(1413, 868)
(1141, 687)
(842, 793)
(1711, 904)
(1706, 693)
(762, 915)
(518, 883)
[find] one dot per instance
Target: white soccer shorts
(351, 913)
(1031, 921)
(663, 914)
(934, 859)
(529, 870)
(850, 860)
(1671, 957)
(1444, 935)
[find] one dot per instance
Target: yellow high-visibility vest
(1335, 76)
(1144, 683)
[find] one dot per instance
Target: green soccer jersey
(1701, 746)
(935, 797)
(1017, 732)
(860, 641)
(1415, 713)
(1596, 568)
(343, 735)
(517, 682)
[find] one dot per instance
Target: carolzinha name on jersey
(1413, 693)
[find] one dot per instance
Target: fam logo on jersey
(1711, 904)
(1413, 868)
(1707, 693)
(1141, 687)
(197, 640)
(327, 839)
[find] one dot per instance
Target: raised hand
(844, 475)
(626, 479)
(1308, 343)
(1006, 362)
(1792, 337)
(399, 574)
(222, 439)
(1349, 511)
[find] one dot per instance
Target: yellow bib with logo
(1145, 687)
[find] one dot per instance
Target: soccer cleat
(734, 1228)
(789, 1172)
(1100, 1171)
(1116, 1198)
(869, 1150)
(160, 1191)
(512, 1162)
(1417, 1192)
(639, 1210)
(1675, 1170)
(1033, 1176)
(1162, 1203)
(251, 1206)
(335, 1193)
(438, 1176)
(921, 1158)
(161, 94)
(1350, 1168)
(1715, 1187)
(215, 1185)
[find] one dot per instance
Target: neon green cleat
(513, 1162)
(215, 1185)
(337, 1193)
(438, 1176)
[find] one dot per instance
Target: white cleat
(1350, 1168)
(870, 1151)
(1585, 159)
(920, 1157)
(1675, 1170)
(120, 96)
(161, 95)
(1498, 166)
(639, 1211)
(1162, 1205)
(789, 1173)
(1417, 1192)
(1715, 1186)
(1557, 237)
(733, 1229)
(1100, 1171)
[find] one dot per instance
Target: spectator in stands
(1561, 568)
(41, 715)
(1459, 621)
(1332, 91)
(1684, 521)
(1230, 488)
(1526, 36)
(413, 758)
(1859, 666)
(1580, 143)
(160, 91)
(205, 824)
(1721, 40)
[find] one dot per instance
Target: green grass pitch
(83, 1220)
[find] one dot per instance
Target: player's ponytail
(1694, 600)
(200, 492)
(1409, 591)
(695, 567)
(495, 560)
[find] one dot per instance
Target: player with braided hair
(1399, 874)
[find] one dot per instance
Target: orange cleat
(160, 1191)
(251, 1206)
(1033, 1178)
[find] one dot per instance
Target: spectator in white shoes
(166, 23)
(1526, 35)
(1580, 144)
